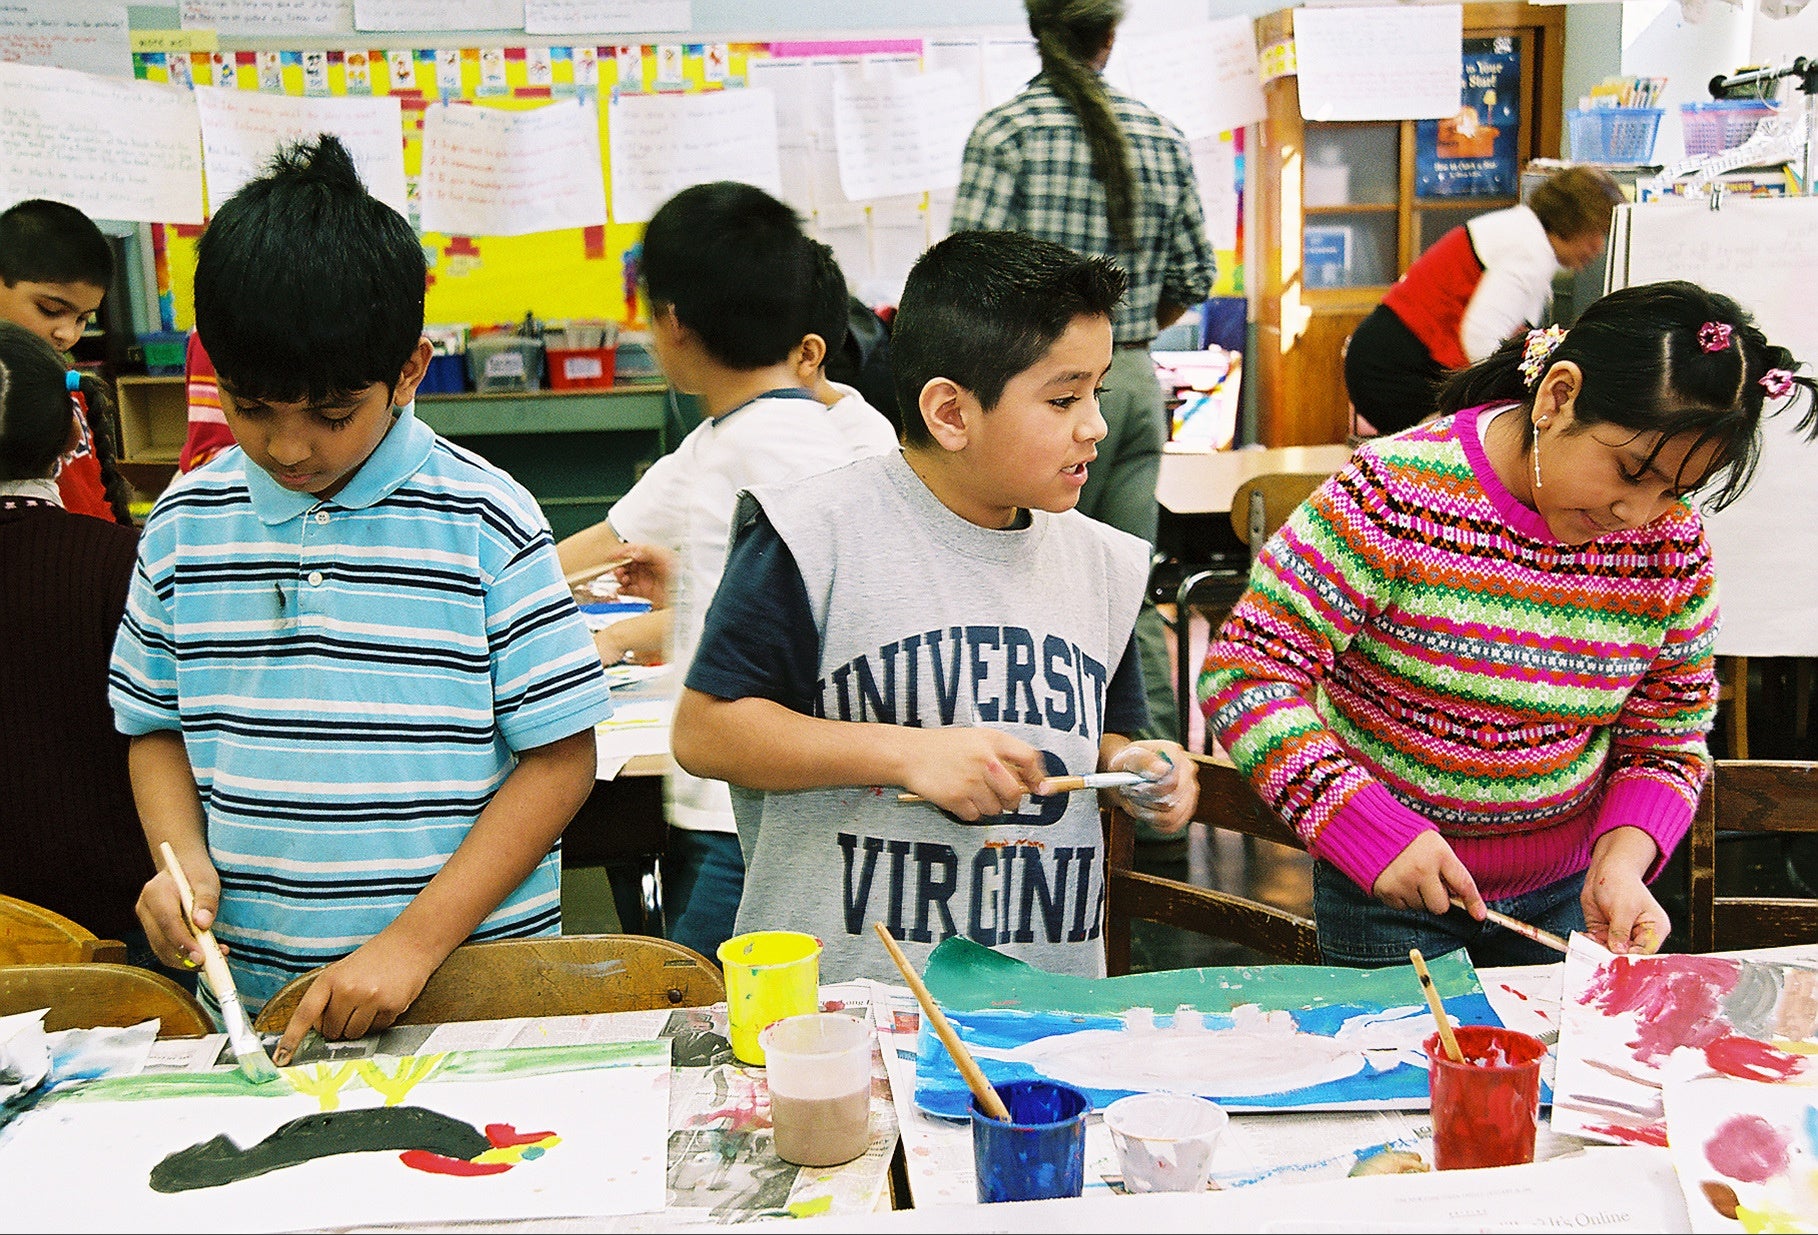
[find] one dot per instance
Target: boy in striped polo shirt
(361, 699)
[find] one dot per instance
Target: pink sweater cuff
(1655, 808)
(1369, 831)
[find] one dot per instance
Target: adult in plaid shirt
(1075, 162)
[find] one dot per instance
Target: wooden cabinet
(1344, 208)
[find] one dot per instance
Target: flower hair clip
(1777, 382)
(1538, 350)
(1714, 336)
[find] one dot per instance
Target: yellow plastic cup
(769, 975)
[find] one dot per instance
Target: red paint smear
(1677, 1001)
(441, 1164)
(1514, 992)
(1650, 1135)
(504, 1136)
(1751, 1059)
(1749, 1148)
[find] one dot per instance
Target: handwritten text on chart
(505, 173)
(665, 142)
(265, 17)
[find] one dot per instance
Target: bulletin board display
(577, 272)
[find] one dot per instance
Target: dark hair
(307, 286)
(734, 265)
(1069, 34)
(830, 298)
(49, 242)
(34, 405)
(1576, 201)
(1645, 369)
(981, 307)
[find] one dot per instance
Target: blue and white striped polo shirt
(351, 677)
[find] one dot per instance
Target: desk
(1204, 481)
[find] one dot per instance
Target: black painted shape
(322, 1135)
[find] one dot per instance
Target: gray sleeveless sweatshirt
(926, 619)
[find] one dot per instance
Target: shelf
(1359, 208)
(644, 406)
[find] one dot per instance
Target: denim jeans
(1356, 929)
(703, 878)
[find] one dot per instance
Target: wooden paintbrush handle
(1446, 1036)
(214, 965)
(987, 1097)
(1054, 785)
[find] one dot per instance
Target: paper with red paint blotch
(1746, 1153)
(1628, 1024)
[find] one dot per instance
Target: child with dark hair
(72, 837)
(858, 420)
(55, 269)
(1476, 666)
(943, 620)
(361, 699)
(734, 285)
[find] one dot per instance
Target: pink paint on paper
(1677, 1002)
(1748, 1148)
(1752, 1060)
(1648, 1134)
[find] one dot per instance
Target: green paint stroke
(323, 1135)
(966, 977)
(454, 1066)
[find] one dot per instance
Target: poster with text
(1472, 153)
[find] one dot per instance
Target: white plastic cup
(1165, 1141)
(818, 1067)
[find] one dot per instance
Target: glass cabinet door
(1351, 188)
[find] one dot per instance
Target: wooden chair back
(1263, 503)
(33, 935)
(88, 994)
(1226, 801)
(1744, 797)
(561, 975)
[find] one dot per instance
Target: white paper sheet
(803, 89)
(434, 15)
(1740, 1145)
(61, 138)
(490, 172)
(607, 16)
(90, 38)
(662, 143)
(1380, 63)
(268, 18)
(242, 129)
(1009, 63)
(900, 134)
(1203, 76)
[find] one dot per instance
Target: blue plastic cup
(1041, 1152)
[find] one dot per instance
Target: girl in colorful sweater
(1476, 666)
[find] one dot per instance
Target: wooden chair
(1226, 801)
(1744, 798)
(88, 994)
(563, 975)
(33, 935)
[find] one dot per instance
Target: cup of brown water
(818, 1067)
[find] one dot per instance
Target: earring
(1535, 452)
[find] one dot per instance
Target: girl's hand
(1427, 875)
(973, 772)
(1619, 911)
(1170, 790)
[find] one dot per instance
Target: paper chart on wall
(607, 16)
(434, 15)
(900, 133)
(89, 38)
(1629, 1023)
(808, 157)
(61, 138)
(1380, 63)
(1746, 1154)
(1271, 1037)
(268, 17)
(475, 1136)
(1202, 76)
(243, 129)
(488, 172)
(661, 143)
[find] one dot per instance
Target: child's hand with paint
(1170, 788)
(971, 772)
(1619, 911)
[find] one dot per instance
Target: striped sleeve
(142, 680)
(547, 679)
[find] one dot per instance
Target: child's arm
(646, 634)
(589, 547)
(758, 744)
(170, 810)
(369, 988)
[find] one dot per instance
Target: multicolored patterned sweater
(1416, 650)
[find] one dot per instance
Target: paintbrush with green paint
(247, 1048)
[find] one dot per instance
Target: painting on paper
(477, 1135)
(1272, 1037)
(1627, 1023)
(1746, 1154)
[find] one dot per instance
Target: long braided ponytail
(1069, 33)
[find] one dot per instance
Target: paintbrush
(1066, 784)
(1439, 1009)
(593, 572)
(988, 1099)
(1546, 938)
(247, 1048)
(1210, 761)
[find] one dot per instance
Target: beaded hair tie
(1777, 382)
(1714, 336)
(1540, 346)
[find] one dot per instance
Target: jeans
(703, 878)
(1356, 929)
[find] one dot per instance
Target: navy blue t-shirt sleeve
(1126, 701)
(759, 639)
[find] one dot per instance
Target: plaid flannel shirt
(1028, 169)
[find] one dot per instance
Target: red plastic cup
(1486, 1109)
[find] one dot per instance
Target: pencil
(1546, 938)
(1439, 1009)
(988, 1098)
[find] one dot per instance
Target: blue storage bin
(447, 375)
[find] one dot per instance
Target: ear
(809, 355)
(412, 374)
(664, 319)
(1557, 393)
(945, 406)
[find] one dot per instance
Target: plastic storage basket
(1722, 124)
(1614, 134)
